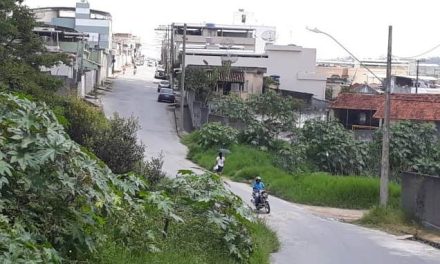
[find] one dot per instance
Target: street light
(385, 162)
(315, 30)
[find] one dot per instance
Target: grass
(244, 162)
(391, 220)
(191, 243)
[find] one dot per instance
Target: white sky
(362, 26)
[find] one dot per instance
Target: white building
(213, 36)
(295, 65)
(97, 24)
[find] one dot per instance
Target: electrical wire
(419, 55)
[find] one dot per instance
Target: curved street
(305, 238)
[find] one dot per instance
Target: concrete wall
(296, 68)
(216, 61)
(253, 84)
(421, 197)
(90, 81)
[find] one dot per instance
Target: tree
(22, 52)
(277, 113)
(202, 82)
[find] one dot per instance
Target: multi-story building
(83, 32)
(126, 50)
(235, 37)
(97, 24)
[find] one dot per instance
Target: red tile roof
(423, 107)
(357, 101)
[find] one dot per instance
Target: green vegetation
(21, 51)
(214, 134)
(58, 203)
(265, 116)
(60, 199)
(181, 247)
(245, 162)
(392, 220)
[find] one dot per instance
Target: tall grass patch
(245, 162)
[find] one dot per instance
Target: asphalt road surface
(305, 238)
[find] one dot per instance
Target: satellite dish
(229, 58)
(268, 35)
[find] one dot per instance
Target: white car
(163, 84)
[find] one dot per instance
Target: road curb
(178, 132)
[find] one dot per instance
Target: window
(66, 13)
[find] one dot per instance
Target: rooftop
(418, 107)
(59, 8)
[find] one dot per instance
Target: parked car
(166, 95)
(163, 84)
(160, 74)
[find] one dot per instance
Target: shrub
(151, 170)
(85, 121)
(291, 158)
(118, 145)
(53, 196)
(255, 134)
(215, 134)
(412, 147)
(332, 148)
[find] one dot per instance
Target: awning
(235, 77)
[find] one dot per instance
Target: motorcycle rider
(257, 187)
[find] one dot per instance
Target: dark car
(166, 95)
(163, 84)
(160, 74)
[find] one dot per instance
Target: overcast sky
(362, 26)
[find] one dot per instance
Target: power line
(421, 54)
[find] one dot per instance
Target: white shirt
(221, 161)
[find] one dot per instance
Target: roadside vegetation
(244, 163)
(76, 188)
(321, 164)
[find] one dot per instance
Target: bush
(53, 196)
(255, 134)
(85, 121)
(217, 135)
(151, 170)
(413, 146)
(117, 145)
(332, 148)
(291, 158)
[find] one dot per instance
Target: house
(94, 24)
(366, 111)
(296, 67)
(126, 49)
(364, 89)
(98, 24)
(249, 46)
(242, 81)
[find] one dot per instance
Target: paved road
(305, 238)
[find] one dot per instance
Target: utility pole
(385, 164)
(182, 81)
(417, 76)
(172, 57)
(165, 52)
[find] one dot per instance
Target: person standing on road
(134, 69)
(220, 163)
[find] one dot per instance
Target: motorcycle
(261, 200)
